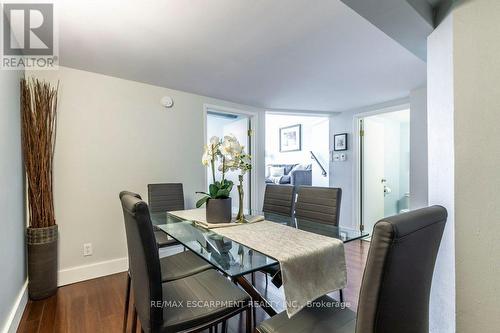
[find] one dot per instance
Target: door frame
(357, 176)
(255, 143)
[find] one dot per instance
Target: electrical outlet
(87, 249)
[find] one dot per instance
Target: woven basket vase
(42, 262)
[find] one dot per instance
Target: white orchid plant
(230, 155)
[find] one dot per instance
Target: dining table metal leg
(249, 320)
(134, 321)
(257, 298)
(254, 316)
(127, 301)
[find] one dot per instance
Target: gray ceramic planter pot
(219, 210)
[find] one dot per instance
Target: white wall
(342, 173)
(320, 134)
(114, 135)
(441, 171)
(12, 248)
(476, 65)
(418, 148)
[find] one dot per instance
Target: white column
(464, 163)
(441, 170)
(476, 58)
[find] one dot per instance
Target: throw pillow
(277, 171)
(300, 167)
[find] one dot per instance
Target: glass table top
(232, 258)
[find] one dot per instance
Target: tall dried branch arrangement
(38, 122)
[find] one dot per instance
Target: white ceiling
(280, 54)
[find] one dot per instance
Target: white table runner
(311, 265)
(199, 216)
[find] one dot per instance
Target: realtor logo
(28, 36)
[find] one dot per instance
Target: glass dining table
(236, 260)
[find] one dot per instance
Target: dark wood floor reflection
(96, 305)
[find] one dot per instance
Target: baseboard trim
(12, 322)
(91, 271)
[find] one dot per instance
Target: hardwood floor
(97, 305)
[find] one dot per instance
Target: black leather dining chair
(165, 197)
(161, 238)
(173, 267)
(320, 204)
(279, 199)
(395, 290)
(164, 307)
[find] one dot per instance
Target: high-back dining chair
(165, 197)
(179, 265)
(152, 297)
(279, 199)
(161, 238)
(320, 204)
(396, 284)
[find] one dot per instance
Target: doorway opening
(297, 149)
(221, 123)
(384, 166)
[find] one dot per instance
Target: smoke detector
(167, 101)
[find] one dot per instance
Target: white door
(373, 143)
